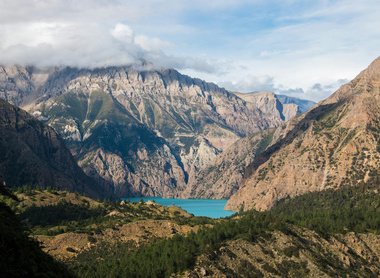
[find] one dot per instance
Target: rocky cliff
(145, 132)
(31, 153)
(332, 145)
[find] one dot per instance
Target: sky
(301, 48)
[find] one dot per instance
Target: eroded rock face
(145, 132)
(331, 145)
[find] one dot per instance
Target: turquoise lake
(198, 207)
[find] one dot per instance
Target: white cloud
(250, 83)
(87, 45)
(315, 93)
(123, 33)
(152, 44)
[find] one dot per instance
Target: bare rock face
(334, 144)
(267, 102)
(145, 132)
(31, 153)
(290, 110)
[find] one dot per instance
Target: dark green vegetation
(355, 208)
(20, 255)
(172, 255)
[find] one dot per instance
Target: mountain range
(145, 133)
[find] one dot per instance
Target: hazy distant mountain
(303, 104)
(334, 144)
(145, 132)
(31, 153)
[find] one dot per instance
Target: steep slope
(145, 132)
(31, 153)
(334, 144)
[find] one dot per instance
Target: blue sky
(304, 48)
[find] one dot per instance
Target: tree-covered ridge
(354, 209)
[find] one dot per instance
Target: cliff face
(145, 132)
(334, 144)
(31, 153)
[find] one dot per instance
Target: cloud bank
(296, 47)
(87, 45)
(315, 92)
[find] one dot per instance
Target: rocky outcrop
(31, 153)
(332, 145)
(145, 132)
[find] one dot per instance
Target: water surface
(199, 207)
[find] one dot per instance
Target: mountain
(303, 104)
(32, 153)
(222, 177)
(265, 101)
(334, 144)
(144, 132)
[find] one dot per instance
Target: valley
(189, 139)
(304, 187)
